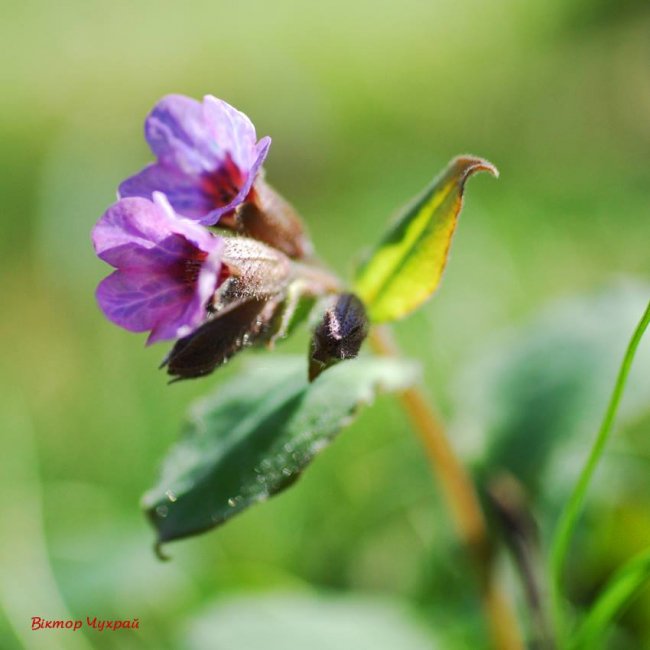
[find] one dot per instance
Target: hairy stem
(317, 278)
(461, 500)
(569, 517)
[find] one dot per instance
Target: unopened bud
(339, 335)
(228, 331)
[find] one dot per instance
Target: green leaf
(618, 593)
(406, 267)
(296, 622)
(534, 395)
(255, 436)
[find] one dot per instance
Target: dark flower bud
(269, 218)
(339, 335)
(211, 345)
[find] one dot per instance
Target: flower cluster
(173, 273)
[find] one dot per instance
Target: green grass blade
(569, 517)
(624, 585)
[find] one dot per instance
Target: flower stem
(317, 278)
(569, 517)
(461, 499)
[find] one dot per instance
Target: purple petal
(194, 312)
(261, 151)
(194, 137)
(128, 224)
(186, 193)
(233, 131)
(202, 238)
(134, 226)
(142, 300)
(205, 287)
(178, 326)
(179, 136)
(138, 301)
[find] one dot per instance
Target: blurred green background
(365, 102)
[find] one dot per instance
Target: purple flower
(208, 157)
(168, 268)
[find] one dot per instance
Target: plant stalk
(569, 517)
(461, 499)
(317, 277)
(509, 503)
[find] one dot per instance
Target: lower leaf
(255, 436)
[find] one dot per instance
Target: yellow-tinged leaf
(406, 267)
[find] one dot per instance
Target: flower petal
(185, 192)
(201, 237)
(127, 225)
(136, 232)
(261, 151)
(232, 129)
(138, 301)
(205, 287)
(179, 136)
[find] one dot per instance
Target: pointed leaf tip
(405, 268)
(471, 164)
(159, 553)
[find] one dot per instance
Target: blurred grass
(365, 102)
